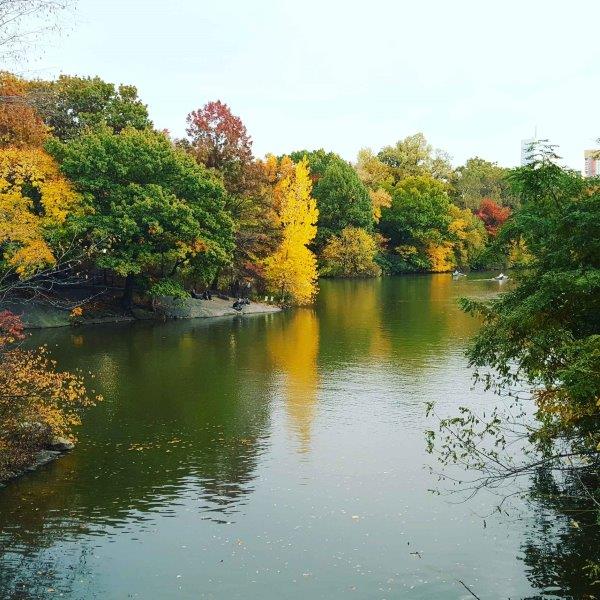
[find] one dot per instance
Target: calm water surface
(269, 457)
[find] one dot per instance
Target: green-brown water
(273, 457)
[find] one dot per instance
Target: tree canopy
(69, 105)
(478, 179)
(35, 199)
(219, 140)
(151, 208)
(20, 124)
(352, 253)
(414, 156)
(291, 271)
(342, 199)
(417, 219)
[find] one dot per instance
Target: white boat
(501, 277)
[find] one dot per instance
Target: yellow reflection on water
(294, 349)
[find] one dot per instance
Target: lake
(274, 456)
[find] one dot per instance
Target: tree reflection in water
(191, 431)
(563, 539)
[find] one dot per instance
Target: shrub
(352, 253)
(37, 402)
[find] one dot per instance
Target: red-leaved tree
(219, 138)
(493, 215)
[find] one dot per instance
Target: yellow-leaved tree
(379, 199)
(291, 271)
(441, 256)
(34, 198)
(467, 234)
(351, 254)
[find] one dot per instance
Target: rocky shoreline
(57, 448)
(37, 315)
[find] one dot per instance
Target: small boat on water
(501, 277)
(458, 274)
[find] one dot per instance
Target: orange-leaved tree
(493, 215)
(20, 124)
(37, 402)
(291, 271)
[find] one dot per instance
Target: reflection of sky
(235, 459)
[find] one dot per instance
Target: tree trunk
(127, 300)
(215, 282)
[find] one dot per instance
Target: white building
(592, 163)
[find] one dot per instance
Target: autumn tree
(342, 199)
(492, 215)
(37, 402)
(150, 208)
(378, 179)
(352, 253)
(256, 229)
(371, 171)
(20, 124)
(35, 201)
(467, 236)
(219, 140)
(69, 105)
(291, 271)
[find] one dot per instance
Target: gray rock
(42, 458)
(61, 444)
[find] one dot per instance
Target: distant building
(592, 163)
(526, 157)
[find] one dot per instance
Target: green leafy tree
(417, 220)
(540, 344)
(342, 199)
(478, 179)
(150, 208)
(413, 156)
(69, 105)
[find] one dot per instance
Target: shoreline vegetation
(93, 194)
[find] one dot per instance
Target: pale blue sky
(474, 76)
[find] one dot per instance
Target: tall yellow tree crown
(292, 270)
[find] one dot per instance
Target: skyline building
(591, 163)
(526, 157)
